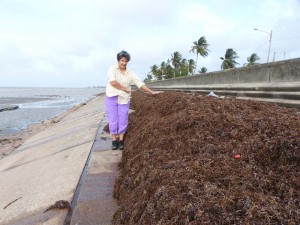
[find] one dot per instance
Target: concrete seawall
(276, 82)
(50, 166)
(282, 71)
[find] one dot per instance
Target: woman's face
(123, 63)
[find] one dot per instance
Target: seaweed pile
(194, 159)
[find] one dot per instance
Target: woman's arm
(137, 82)
(117, 85)
(145, 88)
(112, 79)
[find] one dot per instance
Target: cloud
(73, 42)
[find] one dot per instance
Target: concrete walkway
(48, 166)
(93, 203)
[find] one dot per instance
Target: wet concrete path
(93, 202)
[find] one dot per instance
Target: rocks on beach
(8, 107)
(180, 163)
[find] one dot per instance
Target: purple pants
(117, 115)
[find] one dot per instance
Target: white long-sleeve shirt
(127, 79)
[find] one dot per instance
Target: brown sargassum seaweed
(178, 166)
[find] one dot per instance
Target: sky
(72, 43)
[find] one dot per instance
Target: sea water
(38, 104)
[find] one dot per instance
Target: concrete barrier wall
(282, 71)
(285, 71)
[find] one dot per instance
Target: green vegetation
(200, 47)
(176, 60)
(178, 66)
(174, 67)
(202, 70)
(252, 60)
(229, 60)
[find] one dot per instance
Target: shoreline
(9, 143)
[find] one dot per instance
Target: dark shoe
(114, 145)
(121, 145)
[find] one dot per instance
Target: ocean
(38, 104)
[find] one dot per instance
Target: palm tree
(252, 60)
(169, 72)
(163, 68)
(229, 60)
(191, 66)
(175, 59)
(184, 68)
(155, 72)
(202, 70)
(200, 47)
(148, 79)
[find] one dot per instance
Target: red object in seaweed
(237, 156)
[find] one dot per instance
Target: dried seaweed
(61, 204)
(179, 165)
(106, 128)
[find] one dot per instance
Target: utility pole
(270, 41)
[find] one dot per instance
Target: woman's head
(123, 54)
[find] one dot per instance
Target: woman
(117, 99)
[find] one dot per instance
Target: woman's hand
(156, 92)
(148, 90)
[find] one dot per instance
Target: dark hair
(123, 54)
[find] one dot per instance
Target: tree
(252, 60)
(184, 68)
(202, 70)
(229, 60)
(176, 59)
(169, 73)
(163, 68)
(155, 72)
(148, 79)
(192, 66)
(200, 47)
